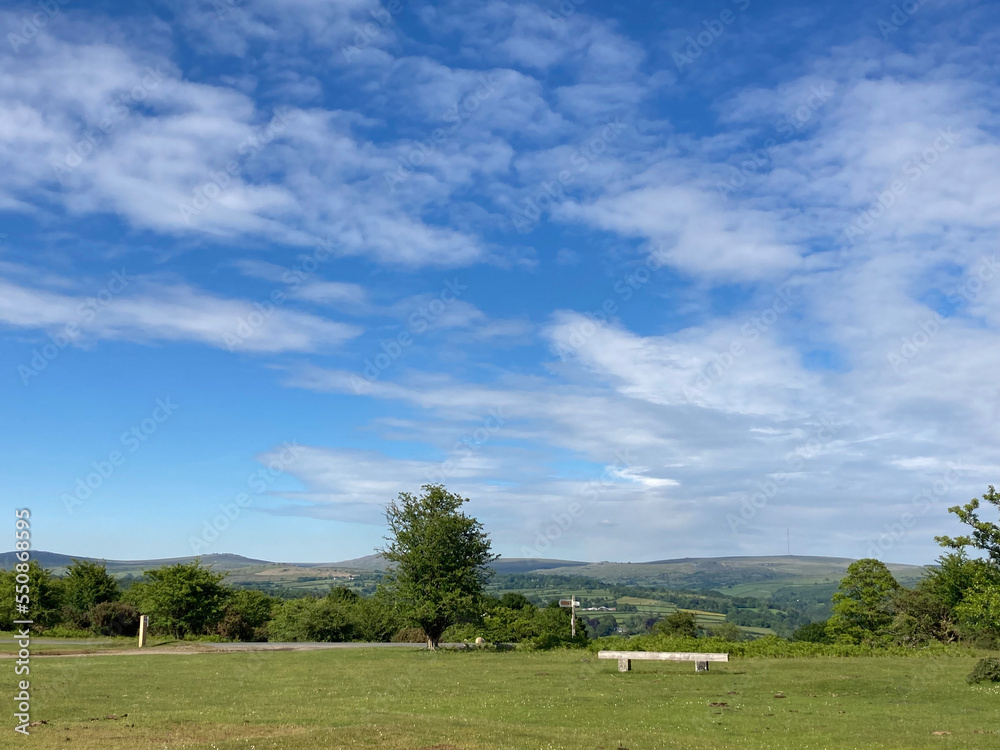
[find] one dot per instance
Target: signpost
(572, 604)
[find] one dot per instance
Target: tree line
(436, 590)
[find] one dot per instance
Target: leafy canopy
(863, 604)
(440, 559)
(985, 534)
(89, 583)
(183, 598)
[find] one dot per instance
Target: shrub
(75, 619)
(310, 619)
(410, 635)
(186, 598)
(681, 624)
(375, 620)
(986, 670)
(813, 632)
(88, 583)
(115, 618)
(246, 616)
(727, 631)
(552, 626)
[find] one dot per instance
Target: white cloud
(146, 310)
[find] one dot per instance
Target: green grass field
(371, 698)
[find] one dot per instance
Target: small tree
(89, 583)
(44, 593)
(679, 623)
(441, 559)
(184, 598)
(863, 604)
(246, 615)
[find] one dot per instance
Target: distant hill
(58, 563)
(743, 576)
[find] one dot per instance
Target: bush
(552, 626)
(727, 631)
(74, 619)
(410, 635)
(115, 618)
(814, 632)
(680, 624)
(375, 620)
(310, 619)
(246, 616)
(986, 670)
(186, 598)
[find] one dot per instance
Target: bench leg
(701, 666)
(624, 665)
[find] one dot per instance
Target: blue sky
(642, 281)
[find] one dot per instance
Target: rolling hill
(743, 576)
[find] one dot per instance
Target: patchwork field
(371, 698)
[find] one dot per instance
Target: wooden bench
(625, 658)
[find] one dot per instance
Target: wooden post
(624, 665)
(572, 615)
(143, 629)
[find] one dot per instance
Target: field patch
(405, 700)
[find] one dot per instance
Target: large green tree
(182, 598)
(440, 559)
(863, 604)
(88, 583)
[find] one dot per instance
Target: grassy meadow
(401, 699)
